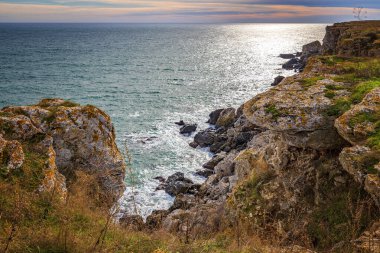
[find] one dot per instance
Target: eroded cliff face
(59, 138)
(353, 39)
(299, 162)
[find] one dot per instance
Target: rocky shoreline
(291, 152)
(298, 165)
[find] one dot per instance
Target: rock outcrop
(353, 39)
(292, 161)
(66, 138)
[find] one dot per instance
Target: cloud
(210, 11)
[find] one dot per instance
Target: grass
(330, 94)
(362, 89)
(308, 82)
(339, 220)
(339, 107)
(374, 138)
(271, 109)
(358, 92)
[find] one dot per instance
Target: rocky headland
(300, 162)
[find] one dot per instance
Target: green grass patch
(374, 138)
(358, 92)
(362, 89)
(363, 117)
(271, 109)
(339, 107)
(334, 87)
(308, 82)
(330, 94)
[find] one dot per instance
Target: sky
(186, 11)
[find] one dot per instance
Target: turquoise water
(146, 77)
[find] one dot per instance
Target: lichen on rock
(69, 138)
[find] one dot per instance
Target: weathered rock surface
(71, 138)
(177, 184)
(358, 123)
(226, 117)
(353, 39)
(188, 128)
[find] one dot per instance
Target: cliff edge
(55, 139)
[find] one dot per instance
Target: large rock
(188, 128)
(277, 80)
(226, 117)
(177, 184)
(304, 123)
(291, 64)
(11, 154)
(312, 48)
(72, 137)
(353, 39)
(205, 138)
(213, 117)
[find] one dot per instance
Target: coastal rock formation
(353, 39)
(66, 138)
(292, 161)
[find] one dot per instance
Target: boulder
(277, 80)
(291, 64)
(177, 183)
(188, 128)
(193, 144)
(205, 138)
(299, 122)
(226, 117)
(214, 161)
(312, 48)
(357, 124)
(213, 117)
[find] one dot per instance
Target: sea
(146, 77)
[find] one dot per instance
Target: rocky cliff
(55, 139)
(300, 162)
